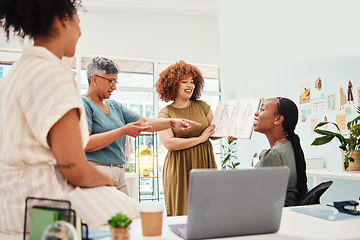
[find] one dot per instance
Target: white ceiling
(185, 7)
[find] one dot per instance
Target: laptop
(224, 203)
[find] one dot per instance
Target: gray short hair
(99, 65)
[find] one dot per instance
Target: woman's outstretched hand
(184, 124)
(134, 129)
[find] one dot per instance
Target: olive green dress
(178, 163)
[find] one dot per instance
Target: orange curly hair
(167, 84)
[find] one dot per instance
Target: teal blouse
(282, 154)
(99, 121)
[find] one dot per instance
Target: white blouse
(36, 92)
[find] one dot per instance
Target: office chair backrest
(313, 196)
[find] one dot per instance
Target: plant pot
(120, 233)
(353, 166)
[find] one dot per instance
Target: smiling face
(185, 88)
(104, 84)
(73, 35)
(267, 116)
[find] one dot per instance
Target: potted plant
(349, 143)
(119, 225)
(229, 155)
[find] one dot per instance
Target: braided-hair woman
(277, 119)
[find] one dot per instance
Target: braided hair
(289, 111)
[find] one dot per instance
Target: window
(7, 58)
(135, 91)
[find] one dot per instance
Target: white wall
(150, 36)
(146, 35)
(267, 47)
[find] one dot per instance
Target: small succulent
(119, 220)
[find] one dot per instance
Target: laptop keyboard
(179, 229)
(182, 230)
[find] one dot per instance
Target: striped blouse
(36, 92)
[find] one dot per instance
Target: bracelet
(172, 123)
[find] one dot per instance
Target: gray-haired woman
(109, 121)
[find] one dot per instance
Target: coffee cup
(151, 214)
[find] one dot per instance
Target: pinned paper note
(341, 121)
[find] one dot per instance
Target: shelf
(147, 134)
(147, 164)
(149, 198)
(145, 156)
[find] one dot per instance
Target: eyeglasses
(112, 82)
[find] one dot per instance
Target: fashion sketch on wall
(235, 117)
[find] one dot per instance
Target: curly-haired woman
(182, 83)
(43, 124)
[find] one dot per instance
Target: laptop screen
(235, 202)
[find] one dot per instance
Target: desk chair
(313, 196)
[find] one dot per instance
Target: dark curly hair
(34, 17)
(166, 85)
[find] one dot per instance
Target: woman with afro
(183, 83)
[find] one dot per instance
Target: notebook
(42, 216)
(235, 117)
(225, 203)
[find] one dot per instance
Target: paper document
(235, 117)
(325, 212)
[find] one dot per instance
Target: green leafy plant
(119, 220)
(348, 142)
(229, 151)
